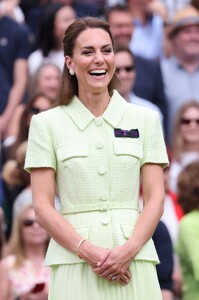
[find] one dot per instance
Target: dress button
(102, 170)
(99, 145)
(104, 197)
(105, 221)
(98, 121)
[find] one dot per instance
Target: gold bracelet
(78, 246)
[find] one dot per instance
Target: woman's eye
(87, 52)
(108, 50)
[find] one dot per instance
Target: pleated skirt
(78, 281)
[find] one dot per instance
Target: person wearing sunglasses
(22, 272)
(126, 73)
(185, 140)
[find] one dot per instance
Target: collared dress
(98, 180)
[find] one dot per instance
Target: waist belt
(96, 207)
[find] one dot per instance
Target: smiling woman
(94, 155)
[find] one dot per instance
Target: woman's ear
(68, 62)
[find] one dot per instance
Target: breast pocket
(130, 149)
(72, 153)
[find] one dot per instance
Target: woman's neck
(96, 103)
(35, 253)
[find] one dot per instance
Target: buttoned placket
(102, 171)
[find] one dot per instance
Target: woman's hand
(115, 265)
(94, 255)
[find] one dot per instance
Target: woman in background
(185, 141)
(23, 267)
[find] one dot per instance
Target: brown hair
(69, 84)
(188, 187)
(177, 141)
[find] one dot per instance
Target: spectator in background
(185, 140)
(126, 73)
(148, 38)
(148, 83)
(45, 82)
(188, 239)
(14, 51)
(181, 70)
(23, 267)
(56, 18)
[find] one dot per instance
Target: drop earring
(71, 72)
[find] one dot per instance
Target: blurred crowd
(157, 64)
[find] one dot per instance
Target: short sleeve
(154, 148)
(40, 151)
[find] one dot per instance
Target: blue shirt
(14, 44)
(147, 39)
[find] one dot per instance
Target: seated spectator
(188, 239)
(45, 81)
(181, 70)
(126, 73)
(185, 141)
(23, 267)
(55, 19)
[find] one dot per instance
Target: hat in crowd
(187, 16)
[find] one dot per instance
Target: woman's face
(93, 60)
(64, 17)
(190, 126)
(32, 232)
(125, 71)
(48, 81)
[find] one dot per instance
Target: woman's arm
(4, 282)
(153, 196)
(43, 189)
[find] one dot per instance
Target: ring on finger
(114, 277)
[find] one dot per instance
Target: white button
(99, 145)
(102, 170)
(105, 221)
(104, 197)
(98, 121)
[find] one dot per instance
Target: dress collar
(82, 117)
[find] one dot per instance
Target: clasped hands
(111, 264)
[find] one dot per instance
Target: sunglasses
(127, 69)
(184, 121)
(29, 222)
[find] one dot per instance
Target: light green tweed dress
(98, 179)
